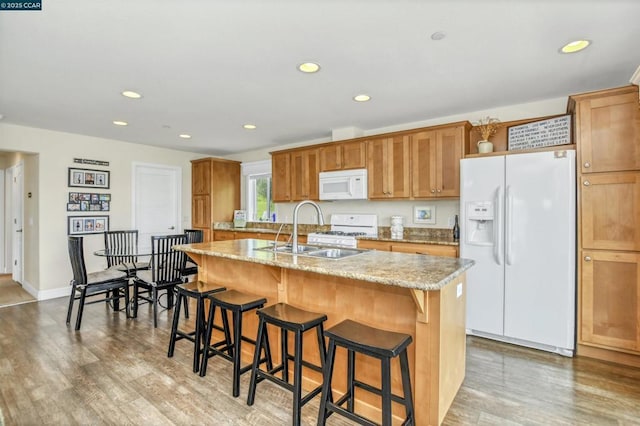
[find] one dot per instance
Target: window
(259, 203)
(260, 206)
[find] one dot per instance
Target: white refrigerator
(518, 222)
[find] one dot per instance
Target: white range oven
(344, 230)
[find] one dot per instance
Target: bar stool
(238, 303)
(199, 291)
(297, 321)
(373, 342)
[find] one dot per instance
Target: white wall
(47, 269)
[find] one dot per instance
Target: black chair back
(122, 244)
(194, 235)
(167, 263)
(76, 255)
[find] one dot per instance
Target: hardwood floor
(12, 293)
(116, 371)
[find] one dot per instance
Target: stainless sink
(334, 253)
(315, 251)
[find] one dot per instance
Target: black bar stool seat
(373, 342)
(231, 349)
(289, 319)
(197, 290)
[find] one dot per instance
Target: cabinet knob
(587, 165)
(586, 183)
(439, 191)
(587, 258)
(433, 190)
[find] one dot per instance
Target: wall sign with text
(554, 131)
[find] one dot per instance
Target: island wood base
(435, 319)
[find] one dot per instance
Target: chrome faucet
(294, 242)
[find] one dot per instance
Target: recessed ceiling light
(309, 67)
(249, 126)
(362, 98)
(575, 46)
(438, 35)
(185, 136)
(131, 94)
(120, 123)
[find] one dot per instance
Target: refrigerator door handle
(497, 228)
(508, 225)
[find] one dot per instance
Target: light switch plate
(459, 290)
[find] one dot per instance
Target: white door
(156, 201)
(16, 221)
(540, 248)
(482, 181)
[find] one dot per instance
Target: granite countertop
(420, 272)
(435, 236)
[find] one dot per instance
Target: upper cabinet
(343, 156)
(435, 161)
(388, 167)
(295, 175)
(608, 128)
(215, 192)
(281, 176)
(305, 166)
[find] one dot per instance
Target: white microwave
(344, 185)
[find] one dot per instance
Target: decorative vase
(484, 147)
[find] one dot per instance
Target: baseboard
(533, 345)
(26, 286)
(54, 293)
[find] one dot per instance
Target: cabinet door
(398, 164)
(331, 157)
(448, 155)
(224, 235)
(610, 211)
(281, 176)
(201, 211)
(374, 245)
(354, 155)
(423, 170)
(304, 175)
(430, 249)
(610, 299)
(377, 179)
(609, 133)
(200, 177)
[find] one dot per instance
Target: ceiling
(206, 67)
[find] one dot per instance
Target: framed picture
(87, 178)
(424, 214)
(84, 201)
(79, 225)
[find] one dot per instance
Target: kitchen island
(423, 296)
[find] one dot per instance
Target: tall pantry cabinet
(607, 130)
(215, 193)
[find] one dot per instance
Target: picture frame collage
(89, 202)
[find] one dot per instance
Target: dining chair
(122, 247)
(193, 236)
(164, 273)
(111, 283)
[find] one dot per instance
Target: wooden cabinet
(607, 129)
(435, 161)
(305, 166)
(224, 235)
(610, 295)
(343, 156)
(429, 249)
(281, 176)
(388, 167)
(412, 248)
(607, 125)
(610, 210)
(215, 192)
